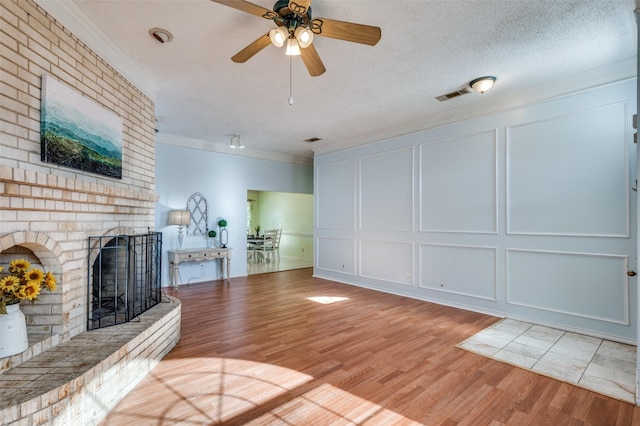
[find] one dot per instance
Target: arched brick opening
(46, 316)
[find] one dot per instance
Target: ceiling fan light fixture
(482, 84)
(293, 48)
(278, 36)
(304, 36)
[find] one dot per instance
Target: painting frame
(77, 132)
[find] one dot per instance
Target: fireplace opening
(123, 279)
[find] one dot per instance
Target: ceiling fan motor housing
(289, 18)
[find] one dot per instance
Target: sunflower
(50, 281)
(35, 276)
(9, 284)
(22, 282)
(19, 265)
(31, 290)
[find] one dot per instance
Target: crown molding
(71, 16)
(183, 142)
(607, 74)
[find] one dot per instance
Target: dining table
(254, 243)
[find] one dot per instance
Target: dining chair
(266, 247)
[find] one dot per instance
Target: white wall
(528, 213)
(223, 180)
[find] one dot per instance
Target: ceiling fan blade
(299, 7)
(348, 31)
(255, 47)
(248, 7)
(312, 61)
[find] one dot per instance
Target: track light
(482, 84)
(236, 142)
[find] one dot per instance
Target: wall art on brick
(77, 132)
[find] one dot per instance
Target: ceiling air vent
(312, 140)
(452, 95)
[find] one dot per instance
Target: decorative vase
(13, 332)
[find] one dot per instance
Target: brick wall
(51, 210)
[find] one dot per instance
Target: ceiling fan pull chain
(290, 94)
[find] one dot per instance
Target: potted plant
(212, 235)
(22, 282)
(257, 230)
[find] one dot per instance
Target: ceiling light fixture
(482, 84)
(278, 36)
(236, 142)
(304, 36)
(293, 48)
(161, 35)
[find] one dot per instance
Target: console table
(176, 257)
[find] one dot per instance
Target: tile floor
(596, 364)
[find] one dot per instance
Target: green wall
(291, 212)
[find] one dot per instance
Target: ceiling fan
(296, 28)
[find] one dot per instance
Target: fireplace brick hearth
(87, 375)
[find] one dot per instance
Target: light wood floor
(258, 351)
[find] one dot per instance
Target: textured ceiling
(427, 48)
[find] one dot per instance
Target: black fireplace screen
(124, 278)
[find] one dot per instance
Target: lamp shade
(304, 36)
(179, 217)
(293, 48)
(278, 36)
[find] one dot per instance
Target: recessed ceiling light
(160, 34)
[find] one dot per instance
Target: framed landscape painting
(77, 132)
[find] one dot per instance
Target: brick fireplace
(47, 212)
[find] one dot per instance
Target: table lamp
(180, 218)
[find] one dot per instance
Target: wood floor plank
(259, 351)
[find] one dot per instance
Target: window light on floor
(326, 300)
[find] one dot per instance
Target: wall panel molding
(386, 200)
(390, 261)
(459, 269)
(459, 185)
(336, 255)
(587, 285)
(569, 174)
(335, 188)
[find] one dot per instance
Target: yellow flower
(23, 283)
(1, 268)
(35, 275)
(50, 281)
(9, 284)
(19, 265)
(31, 290)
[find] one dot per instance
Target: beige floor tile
(599, 365)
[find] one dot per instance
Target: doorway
(291, 212)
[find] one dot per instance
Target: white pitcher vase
(13, 331)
